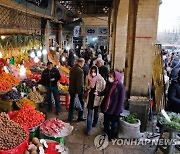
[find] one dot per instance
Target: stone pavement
(79, 143)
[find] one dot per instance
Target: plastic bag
(77, 104)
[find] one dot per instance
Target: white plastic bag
(77, 104)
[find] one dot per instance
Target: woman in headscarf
(94, 81)
(113, 103)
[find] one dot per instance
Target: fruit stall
(20, 96)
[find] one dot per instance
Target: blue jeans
(71, 107)
(90, 118)
(55, 92)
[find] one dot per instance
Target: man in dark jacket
(71, 58)
(76, 86)
(174, 95)
(103, 70)
(49, 78)
(86, 67)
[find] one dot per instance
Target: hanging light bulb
(39, 54)
(67, 48)
(36, 59)
(22, 70)
(32, 54)
(3, 37)
(1, 55)
(44, 52)
(63, 58)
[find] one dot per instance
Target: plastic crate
(34, 133)
(64, 100)
(58, 139)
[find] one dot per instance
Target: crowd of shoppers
(89, 78)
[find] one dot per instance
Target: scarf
(118, 77)
(93, 80)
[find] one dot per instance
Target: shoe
(69, 120)
(88, 133)
(82, 119)
(93, 125)
(49, 110)
(57, 113)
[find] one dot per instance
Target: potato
(26, 152)
(35, 140)
(34, 152)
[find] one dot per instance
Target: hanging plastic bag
(77, 104)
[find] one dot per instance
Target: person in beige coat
(94, 82)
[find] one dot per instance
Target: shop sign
(76, 31)
(102, 31)
(91, 30)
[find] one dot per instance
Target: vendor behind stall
(50, 77)
(174, 95)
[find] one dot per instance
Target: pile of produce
(7, 81)
(63, 79)
(5, 86)
(2, 64)
(23, 88)
(36, 77)
(28, 116)
(64, 69)
(131, 119)
(175, 120)
(35, 97)
(11, 133)
(54, 61)
(10, 78)
(63, 88)
(30, 63)
(52, 127)
(29, 83)
(12, 95)
(24, 101)
(36, 146)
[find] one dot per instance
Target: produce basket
(20, 148)
(52, 148)
(6, 105)
(34, 131)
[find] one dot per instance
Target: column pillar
(145, 37)
(47, 34)
(60, 38)
(121, 35)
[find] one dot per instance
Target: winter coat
(175, 68)
(100, 86)
(103, 70)
(76, 79)
(47, 75)
(71, 59)
(117, 98)
(174, 96)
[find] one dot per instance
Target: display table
(168, 148)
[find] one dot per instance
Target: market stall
(20, 96)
